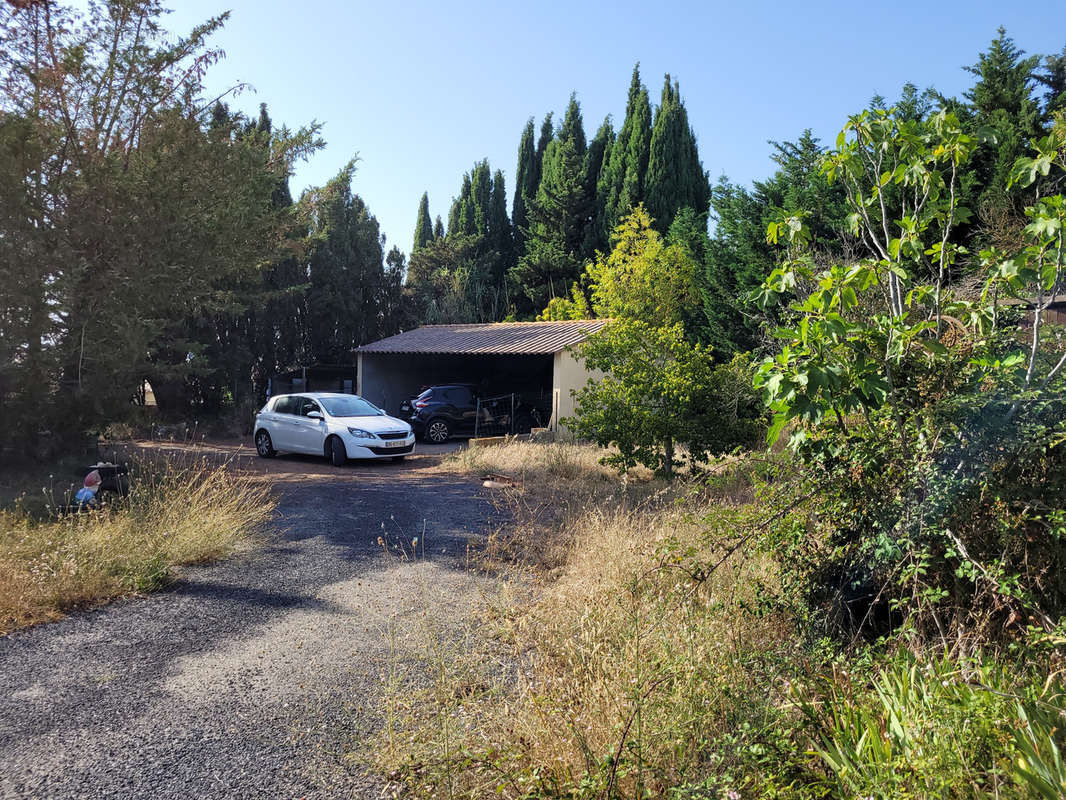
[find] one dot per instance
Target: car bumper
(384, 449)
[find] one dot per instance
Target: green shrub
(942, 728)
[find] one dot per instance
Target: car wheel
(438, 432)
(337, 454)
(264, 446)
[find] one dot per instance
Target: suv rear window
(459, 396)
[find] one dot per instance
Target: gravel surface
(256, 677)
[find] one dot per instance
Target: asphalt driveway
(256, 677)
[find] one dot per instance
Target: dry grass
(643, 644)
(554, 483)
(173, 515)
(660, 657)
(557, 466)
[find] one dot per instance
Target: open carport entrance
(387, 379)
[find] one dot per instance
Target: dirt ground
(259, 676)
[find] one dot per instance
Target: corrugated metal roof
(498, 337)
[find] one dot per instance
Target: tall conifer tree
(621, 182)
(423, 226)
(559, 217)
(547, 133)
(481, 196)
(596, 159)
(573, 126)
(525, 189)
(675, 177)
(499, 228)
(1003, 101)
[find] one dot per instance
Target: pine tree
(423, 227)
(1053, 78)
(1002, 102)
(675, 177)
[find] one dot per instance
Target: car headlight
(359, 433)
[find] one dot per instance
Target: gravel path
(257, 677)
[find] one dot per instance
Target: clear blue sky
(422, 90)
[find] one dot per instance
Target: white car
(337, 426)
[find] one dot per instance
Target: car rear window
(286, 405)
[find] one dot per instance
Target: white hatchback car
(337, 426)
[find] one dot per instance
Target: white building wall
(569, 374)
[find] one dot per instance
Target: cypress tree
(547, 133)
(423, 227)
(453, 217)
(596, 160)
(465, 219)
(481, 197)
(675, 177)
(573, 126)
(559, 217)
(345, 271)
(621, 182)
(499, 229)
(438, 228)
(525, 189)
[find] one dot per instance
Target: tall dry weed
(644, 645)
(173, 515)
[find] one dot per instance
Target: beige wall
(568, 375)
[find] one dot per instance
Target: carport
(499, 358)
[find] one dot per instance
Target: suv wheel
(438, 432)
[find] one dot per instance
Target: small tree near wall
(662, 397)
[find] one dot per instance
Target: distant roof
(528, 338)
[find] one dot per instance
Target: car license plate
(395, 443)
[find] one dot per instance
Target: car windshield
(349, 406)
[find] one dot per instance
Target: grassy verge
(653, 656)
(173, 515)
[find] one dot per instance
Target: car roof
(318, 395)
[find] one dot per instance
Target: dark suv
(441, 412)
(460, 409)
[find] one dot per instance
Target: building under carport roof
(499, 358)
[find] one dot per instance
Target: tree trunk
(668, 458)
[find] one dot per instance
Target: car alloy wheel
(263, 445)
(438, 432)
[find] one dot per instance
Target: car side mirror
(314, 415)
